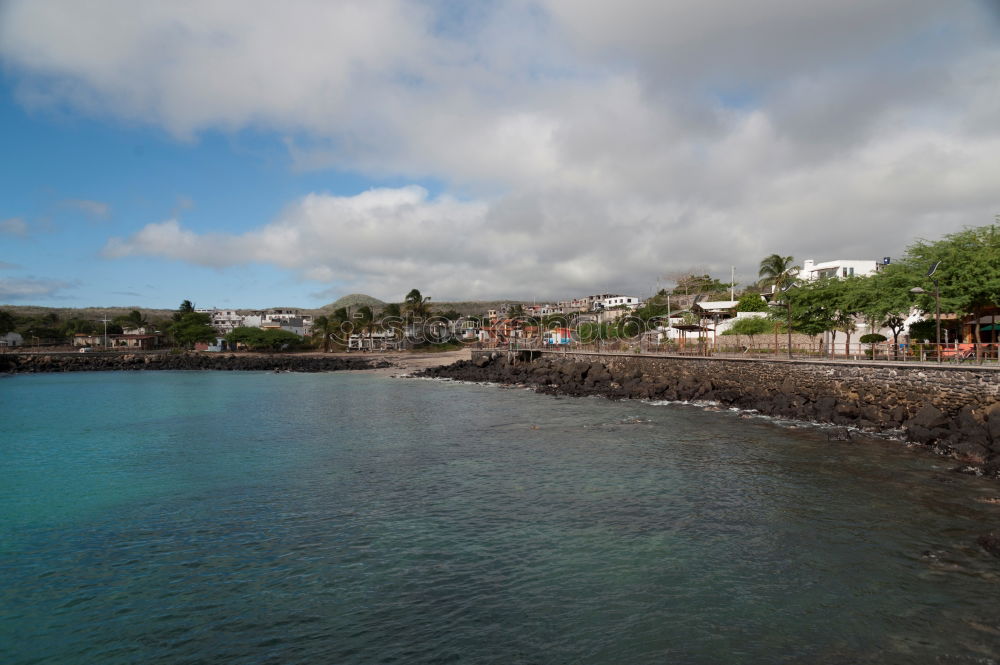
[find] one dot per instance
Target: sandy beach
(405, 363)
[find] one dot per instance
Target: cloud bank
(586, 145)
(13, 290)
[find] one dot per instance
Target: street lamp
(937, 306)
(788, 308)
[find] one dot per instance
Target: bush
(257, 338)
(872, 338)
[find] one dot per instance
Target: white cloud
(93, 209)
(600, 143)
(30, 289)
(14, 226)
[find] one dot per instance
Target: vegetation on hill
(354, 301)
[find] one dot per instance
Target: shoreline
(399, 363)
(969, 436)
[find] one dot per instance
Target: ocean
(253, 517)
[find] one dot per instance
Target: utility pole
(105, 319)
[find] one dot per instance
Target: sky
(250, 153)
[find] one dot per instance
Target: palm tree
(133, 320)
(392, 318)
(776, 271)
(321, 325)
(416, 305)
(364, 322)
(187, 307)
(336, 328)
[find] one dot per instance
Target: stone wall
(956, 408)
(96, 362)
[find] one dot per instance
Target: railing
(953, 353)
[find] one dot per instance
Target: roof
(688, 327)
(717, 305)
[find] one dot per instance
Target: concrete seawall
(954, 408)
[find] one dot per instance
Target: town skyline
(515, 150)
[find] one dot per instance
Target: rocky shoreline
(971, 434)
(39, 363)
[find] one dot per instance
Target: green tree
(191, 328)
(751, 302)
(968, 274)
(884, 300)
(925, 329)
(814, 307)
(416, 306)
(872, 339)
(751, 327)
(321, 329)
(258, 339)
(7, 322)
(73, 326)
(186, 307)
(132, 320)
(688, 284)
(776, 271)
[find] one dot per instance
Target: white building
(837, 268)
(224, 320)
(11, 339)
(286, 319)
(612, 302)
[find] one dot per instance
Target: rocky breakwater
(32, 363)
(955, 412)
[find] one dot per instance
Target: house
(140, 342)
(224, 321)
(383, 340)
(88, 339)
(618, 302)
(501, 331)
(716, 308)
(538, 311)
(841, 268)
(573, 306)
(558, 337)
(286, 319)
(216, 346)
(11, 339)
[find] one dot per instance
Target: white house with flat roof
(841, 268)
(613, 301)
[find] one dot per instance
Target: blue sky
(254, 154)
(76, 180)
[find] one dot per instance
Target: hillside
(353, 301)
(464, 307)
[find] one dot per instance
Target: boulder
(928, 417)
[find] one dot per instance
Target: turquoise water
(184, 517)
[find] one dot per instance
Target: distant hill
(354, 300)
(471, 307)
(466, 308)
(89, 313)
